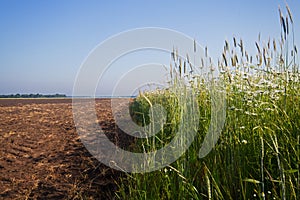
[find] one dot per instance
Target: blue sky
(43, 43)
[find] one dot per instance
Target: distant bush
(33, 96)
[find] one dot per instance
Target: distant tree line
(33, 96)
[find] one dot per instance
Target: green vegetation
(258, 152)
(33, 96)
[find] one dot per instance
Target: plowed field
(42, 157)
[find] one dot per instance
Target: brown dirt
(41, 156)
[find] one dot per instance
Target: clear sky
(43, 43)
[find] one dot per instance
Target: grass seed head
(233, 61)
(242, 47)
(258, 48)
(289, 13)
(226, 48)
(184, 67)
(284, 27)
(173, 56)
(234, 41)
(180, 68)
(247, 56)
(287, 25)
(274, 44)
(280, 15)
(224, 58)
(264, 55)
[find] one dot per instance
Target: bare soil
(42, 157)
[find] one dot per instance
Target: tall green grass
(257, 154)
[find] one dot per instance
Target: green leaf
(251, 180)
(291, 171)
